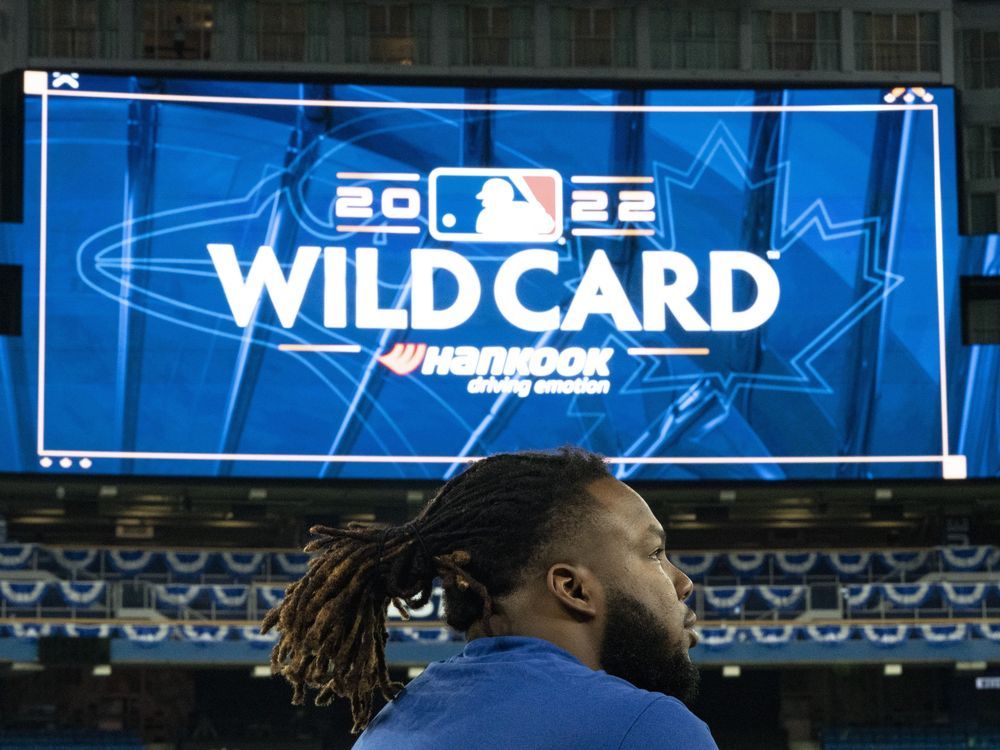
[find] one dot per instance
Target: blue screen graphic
(358, 281)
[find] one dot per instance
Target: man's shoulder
(652, 719)
(666, 722)
(601, 704)
(517, 689)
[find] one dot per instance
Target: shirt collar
(514, 645)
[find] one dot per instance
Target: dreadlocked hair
(478, 534)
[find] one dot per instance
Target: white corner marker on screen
(35, 81)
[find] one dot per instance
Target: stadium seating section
(891, 738)
(772, 597)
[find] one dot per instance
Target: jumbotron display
(368, 281)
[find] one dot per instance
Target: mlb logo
(495, 205)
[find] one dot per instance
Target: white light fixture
(892, 670)
(731, 670)
(101, 670)
(414, 672)
(261, 670)
(26, 666)
(970, 666)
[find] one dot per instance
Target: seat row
(244, 565)
(910, 738)
(713, 638)
(852, 598)
(883, 635)
(215, 601)
(119, 562)
(841, 564)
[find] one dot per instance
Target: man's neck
(568, 639)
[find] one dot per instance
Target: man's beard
(638, 648)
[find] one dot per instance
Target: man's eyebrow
(658, 532)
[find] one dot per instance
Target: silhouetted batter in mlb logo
(502, 215)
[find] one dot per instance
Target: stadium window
(694, 39)
(897, 41)
(394, 33)
(491, 34)
(981, 58)
(278, 30)
(176, 30)
(593, 37)
(72, 28)
(808, 40)
(983, 213)
(982, 152)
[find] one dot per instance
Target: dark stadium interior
(767, 706)
(244, 513)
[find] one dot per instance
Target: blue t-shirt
(521, 693)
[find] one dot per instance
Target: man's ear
(576, 589)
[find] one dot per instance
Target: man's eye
(658, 553)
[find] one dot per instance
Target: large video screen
(342, 280)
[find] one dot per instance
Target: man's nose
(682, 584)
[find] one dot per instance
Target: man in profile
(577, 627)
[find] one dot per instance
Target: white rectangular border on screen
(953, 466)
